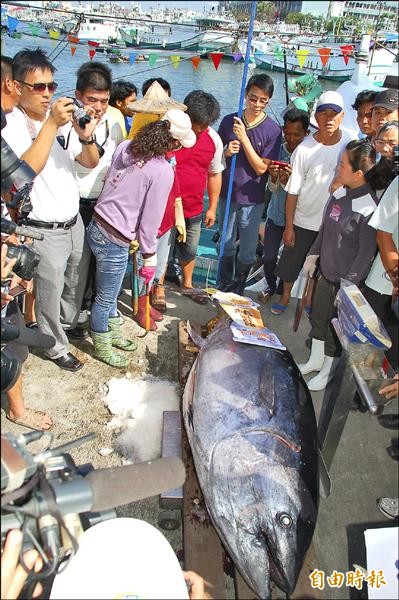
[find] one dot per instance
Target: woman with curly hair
(131, 207)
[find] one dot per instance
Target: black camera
(27, 260)
(79, 114)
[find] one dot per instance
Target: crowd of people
(127, 184)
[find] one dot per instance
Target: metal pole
(234, 157)
(287, 98)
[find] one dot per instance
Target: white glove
(309, 266)
(151, 261)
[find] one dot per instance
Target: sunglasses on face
(39, 88)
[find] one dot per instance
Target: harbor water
(224, 83)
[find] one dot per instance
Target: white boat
(95, 29)
(165, 39)
(266, 58)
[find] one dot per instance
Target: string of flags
(301, 54)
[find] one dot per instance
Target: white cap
(121, 558)
(180, 127)
(330, 100)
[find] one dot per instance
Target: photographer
(17, 412)
(50, 140)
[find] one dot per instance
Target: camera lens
(27, 260)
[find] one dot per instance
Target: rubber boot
(226, 272)
(103, 350)
(118, 341)
(140, 317)
(238, 285)
(156, 315)
(316, 358)
(319, 382)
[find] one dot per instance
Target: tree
(266, 11)
(294, 18)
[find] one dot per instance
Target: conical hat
(156, 100)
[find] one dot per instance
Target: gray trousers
(60, 282)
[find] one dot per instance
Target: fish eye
(284, 520)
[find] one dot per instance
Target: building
(372, 13)
(285, 7)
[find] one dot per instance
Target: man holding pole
(256, 140)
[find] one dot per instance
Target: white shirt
(91, 181)
(55, 192)
(385, 218)
(217, 164)
(313, 170)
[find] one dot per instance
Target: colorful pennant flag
(175, 60)
(92, 53)
(132, 58)
(279, 53)
(33, 29)
(12, 24)
(346, 51)
(301, 56)
(216, 58)
(54, 34)
(324, 54)
(152, 59)
(73, 50)
(196, 61)
(73, 40)
(236, 57)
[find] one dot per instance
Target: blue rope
(234, 157)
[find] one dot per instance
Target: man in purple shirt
(256, 140)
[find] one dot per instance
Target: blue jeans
(111, 263)
(245, 220)
(163, 249)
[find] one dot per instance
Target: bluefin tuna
(252, 430)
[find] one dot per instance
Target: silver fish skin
(251, 425)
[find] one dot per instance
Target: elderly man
(313, 164)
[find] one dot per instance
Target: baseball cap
(330, 100)
(121, 558)
(180, 127)
(388, 99)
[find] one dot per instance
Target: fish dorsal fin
(267, 394)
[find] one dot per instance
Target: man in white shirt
(93, 89)
(313, 163)
(50, 141)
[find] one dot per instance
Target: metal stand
(337, 400)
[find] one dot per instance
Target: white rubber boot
(319, 382)
(316, 358)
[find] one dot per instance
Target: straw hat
(156, 100)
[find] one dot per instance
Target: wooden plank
(303, 587)
(203, 551)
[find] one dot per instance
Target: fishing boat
(266, 57)
(168, 39)
(94, 28)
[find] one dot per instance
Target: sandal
(157, 298)
(32, 325)
(32, 419)
(278, 309)
(195, 295)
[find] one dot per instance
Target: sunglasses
(39, 88)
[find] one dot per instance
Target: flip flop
(195, 295)
(278, 309)
(32, 419)
(32, 325)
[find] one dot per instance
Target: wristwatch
(91, 140)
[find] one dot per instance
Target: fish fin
(267, 394)
(196, 338)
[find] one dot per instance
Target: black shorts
(14, 316)
(292, 258)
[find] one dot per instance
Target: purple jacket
(134, 197)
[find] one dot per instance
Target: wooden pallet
(203, 551)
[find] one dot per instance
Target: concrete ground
(362, 470)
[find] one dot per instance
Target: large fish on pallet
(252, 430)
